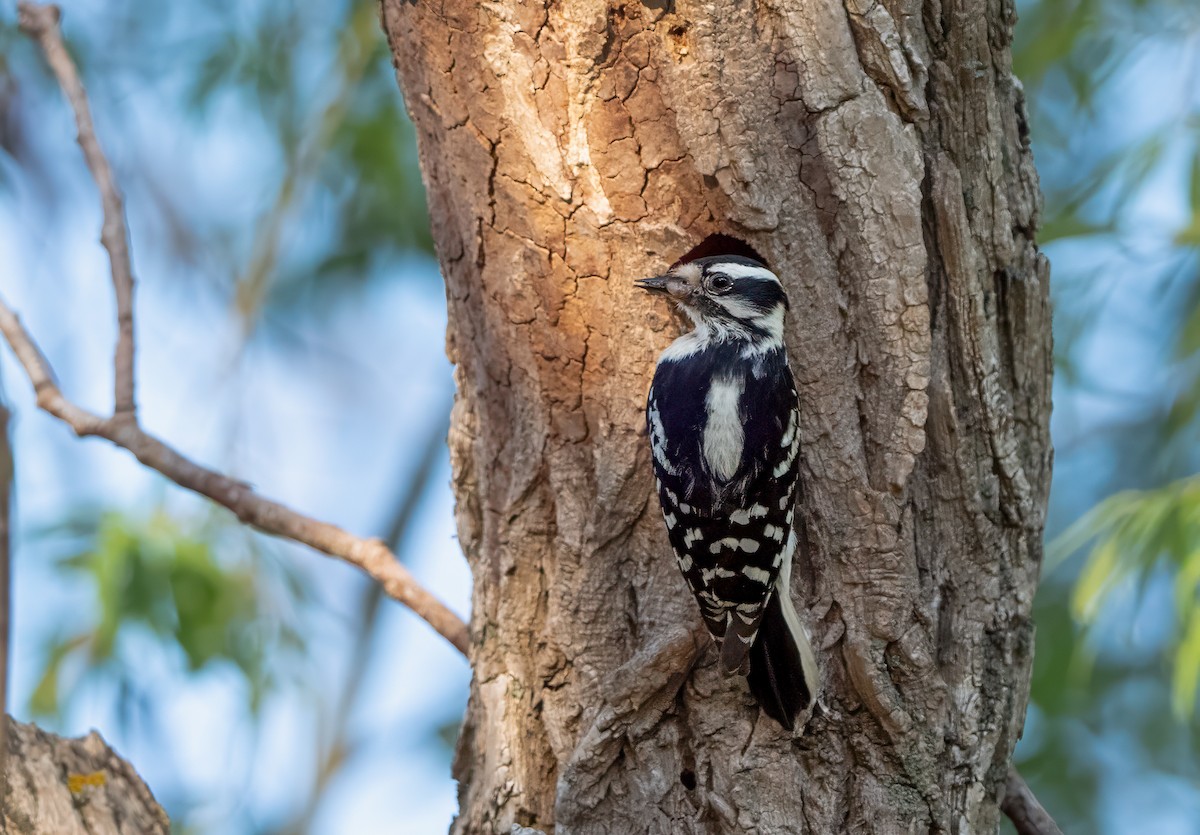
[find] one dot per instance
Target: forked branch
(122, 428)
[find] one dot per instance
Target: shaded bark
(60, 786)
(875, 151)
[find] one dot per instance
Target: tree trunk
(876, 153)
(58, 786)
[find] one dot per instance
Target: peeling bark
(875, 151)
(58, 786)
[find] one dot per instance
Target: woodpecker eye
(720, 283)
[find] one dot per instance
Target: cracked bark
(58, 786)
(875, 151)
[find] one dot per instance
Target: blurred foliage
(1132, 534)
(1114, 99)
(357, 149)
(306, 93)
(153, 579)
(310, 87)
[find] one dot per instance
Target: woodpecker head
(728, 296)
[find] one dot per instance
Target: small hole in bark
(719, 244)
(688, 778)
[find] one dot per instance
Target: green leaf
(44, 701)
(1072, 225)
(1194, 185)
(1098, 576)
(154, 576)
(1189, 235)
(1186, 583)
(1050, 35)
(1133, 532)
(1187, 669)
(1097, 522)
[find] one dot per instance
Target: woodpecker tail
(783, 669)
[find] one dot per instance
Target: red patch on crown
(719, 244)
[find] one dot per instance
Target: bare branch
(122, 429)
(1023, 809)
(41, 24)
(370, 555)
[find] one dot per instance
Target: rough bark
(60, 786)
(875, 151)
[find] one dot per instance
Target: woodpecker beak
(658, 284)
(678, 284)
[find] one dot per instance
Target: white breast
(724, 435)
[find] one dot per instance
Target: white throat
(709, 331)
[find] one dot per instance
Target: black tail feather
(777, 670)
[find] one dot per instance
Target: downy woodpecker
(722, 417)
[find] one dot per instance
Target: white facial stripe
(745, 271)
(772, 322)
(738, 309)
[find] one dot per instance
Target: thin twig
(1023, 809)
(41, 24)
(122, 429)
